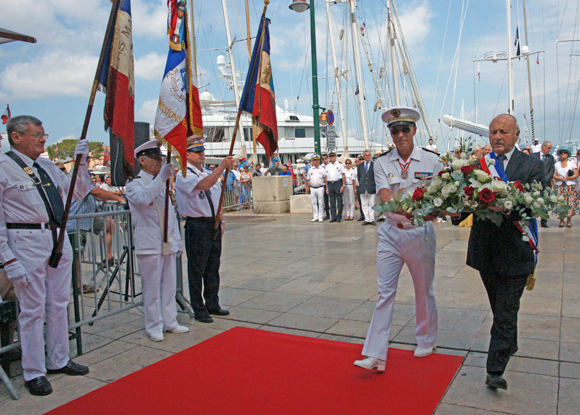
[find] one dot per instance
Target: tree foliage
(65, 149)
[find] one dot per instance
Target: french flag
(118, 80)
(6, 116)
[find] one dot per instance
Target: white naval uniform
(402, 243)
(349, 198)
(49, 288)
(146, 196)
(316, 177)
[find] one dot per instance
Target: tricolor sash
(528, 228)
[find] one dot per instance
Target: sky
(52, 79)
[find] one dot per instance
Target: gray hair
(546, 144)
(367, 151)
(19, 124)
(475, 148)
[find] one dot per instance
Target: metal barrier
(238, 196)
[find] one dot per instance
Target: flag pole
(57, 253)
(227, 171)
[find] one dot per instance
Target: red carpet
(248, 371)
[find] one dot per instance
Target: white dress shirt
(193, 202)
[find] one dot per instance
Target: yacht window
(300, 132)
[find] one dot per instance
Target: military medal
(404, 174)
(405, 169)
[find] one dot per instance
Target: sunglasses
(405, 130)
(348, 164)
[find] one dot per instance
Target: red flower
(468, 190)
(466, 170)
(486, 195)
(418, 194)
(518, 185)
(442, 172)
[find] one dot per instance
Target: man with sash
(403, 242)
(32, 189)
(503, 259)
(198, 196)
(156, 259)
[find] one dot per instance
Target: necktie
(543, 157)
(502, 158)
(366, 166)
(52, 194)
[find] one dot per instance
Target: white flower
(540, 201)
(499, 186)
(437, 201)
(490, 162)
(561, 199)
(458, 164)
(457, 184)
(463, 156)
(434, 186)
(536, 194)
(481, 175)
(457, 149)
(537, 205)
(528, 198)
(508, 204)
(448, 189)
(553, 198)
(445, 176)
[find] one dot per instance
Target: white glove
(166, 171)
(17, 274)
(82, 148)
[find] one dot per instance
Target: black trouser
(326, 204)
(203, 263)
(362, 215)
(335, 197)
(504, 293)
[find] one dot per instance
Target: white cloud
(147, 112)
(68, 137)
(54, 74)
(149, 20)
(150, 66)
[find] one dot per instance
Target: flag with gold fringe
(178, 116)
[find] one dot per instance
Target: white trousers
(48, 292)
(349, 199)
(368, 201)
(317, 199)
(159, 286)
(396, 247)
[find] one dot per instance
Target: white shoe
(371, 363)
(314, 220)
(179, 329)
(156, 337)
(320, 220)
(423, 351)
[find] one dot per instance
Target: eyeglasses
(405, 130)
(348, 164)
(38, 136)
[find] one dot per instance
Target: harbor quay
(282, 273)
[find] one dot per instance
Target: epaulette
(431, 151)
(384, 154)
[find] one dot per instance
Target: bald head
(503, 133)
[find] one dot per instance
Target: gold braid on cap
(399, 119)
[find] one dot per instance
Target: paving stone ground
(284, 274)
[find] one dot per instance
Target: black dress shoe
(381, 219)
(339, 220)
(71, 369)
(366, 223)
(39, 386)
(360, 219)
(373, 223)
(544, 224)
(332, 220)
(326, 217)
(219, 312)
(203, 317)
(496, 382)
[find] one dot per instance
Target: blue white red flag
(6, 116)
(259, 98)
(178, 116)
(118, 81)
(538, 59)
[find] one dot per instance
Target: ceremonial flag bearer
(156, 260)
(401, 242)
(198, 196)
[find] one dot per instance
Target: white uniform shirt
(192, 202)
(536, 148)
(20, 202)
(351, 176)
(148, 233)
(388, 171)
(316, 176)
(334, 171)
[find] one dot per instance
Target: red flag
(6, 116)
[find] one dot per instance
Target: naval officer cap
(196, 146)
(148, 149)
(315, 157)
(332, 154)
(400, 116)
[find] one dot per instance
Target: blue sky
(52, 78)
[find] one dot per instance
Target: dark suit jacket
(549, 167)
(366, 180)
(500, 248)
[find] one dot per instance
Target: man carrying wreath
(402, 242)
(503, 259)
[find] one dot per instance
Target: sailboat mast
(337, 80)
(234, 73)
(529, 75)
(509, 59)
(193, 44)
(393, 55)
(358, 69)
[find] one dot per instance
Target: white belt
(400, 225)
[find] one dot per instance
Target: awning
(10, 36)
